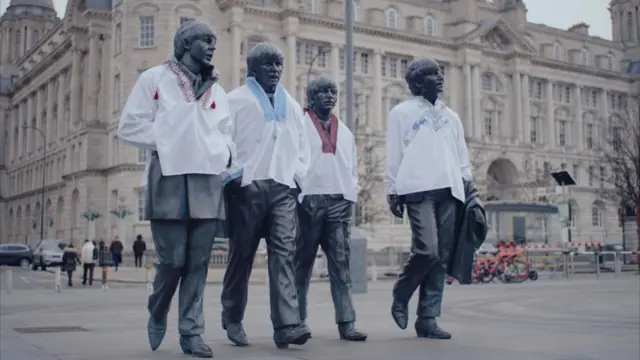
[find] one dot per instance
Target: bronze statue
(427, 159)
(261, 196)
(184, 180)
(326, 202)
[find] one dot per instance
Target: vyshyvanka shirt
(426, 149)
(269, 137)
(334, 165)
(191, 136)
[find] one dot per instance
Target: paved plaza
(551, 319)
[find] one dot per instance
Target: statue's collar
(208, 71)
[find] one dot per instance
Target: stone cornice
(534, 27)
(48, 40)
(40, 68)
(37, 191)
(580, 69)
(120, 168)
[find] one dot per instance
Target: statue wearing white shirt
(326, 203)
(427, 159)
(272, 163)
(179, 112)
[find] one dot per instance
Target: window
(616, 139)
(141, 204)
(487, 82)
(364, 63)
(557, 51)
(393, 66)
(488, 123)
(594, 98)
(609, 62)
(309, 5)
(575, 172)
(392, 18)
(538, 92)
(596, 216)
(629, 25)
(36, 37)
(251, 43)
(308, 54)
(342, 60)
(429, 26)
(562, 132)
(184, 19)
(590, 172)
(567, 94)
(589, 136)
(603, 173)
(586, 57)
(147, 31)
(143, 155)
(533, 136)
(116, 92)
(383, 65)
(404, 65)
(17, 45)
(118, 39)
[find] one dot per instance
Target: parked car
(16, 255)
(48, 253)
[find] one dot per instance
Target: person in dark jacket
(69, 262)
(116, 251)
(139, 247)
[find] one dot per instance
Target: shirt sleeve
(394, 151)
(136, 122)
(463, 153)
(304, 151)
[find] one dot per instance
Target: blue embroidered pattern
(271, 112)
(434, 116)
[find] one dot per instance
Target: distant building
(533, 99)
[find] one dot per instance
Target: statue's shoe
(195, 346)
(349, 332)
(156, 331)
(293, 335)
(236, 334)
(428, 328)
(400, 314)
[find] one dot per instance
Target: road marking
(32, 280)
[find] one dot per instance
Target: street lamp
(121, 212)
(91, 215)
(44, 175)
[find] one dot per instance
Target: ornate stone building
(533, 99)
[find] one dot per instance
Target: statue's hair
(259, 51)
(185, 34)
(416, 71)
(314, 87)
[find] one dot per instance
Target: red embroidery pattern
(183, 80)
(329, 145)
(213, 105)
(155, 96)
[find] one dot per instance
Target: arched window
(609, 63)
(310, 6)
(429, 26)
(557, 51)
(596, 215)
(586, 57)
(392, 18)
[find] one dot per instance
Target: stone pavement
(580, 319)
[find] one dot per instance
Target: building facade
(533, 99)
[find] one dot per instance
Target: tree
(371, 167)
(620, 149)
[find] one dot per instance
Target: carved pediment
(499, 35)
(496, 39)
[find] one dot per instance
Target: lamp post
(121, 212)
(91, 215)
(44, 177)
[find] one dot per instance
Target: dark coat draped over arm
(471, 231)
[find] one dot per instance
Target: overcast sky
(557, 13)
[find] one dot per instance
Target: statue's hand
(396, 206)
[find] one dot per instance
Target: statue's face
(433, 80)
(268, 71)
(202, 46)
(326, 95)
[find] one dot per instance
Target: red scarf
(329, 145)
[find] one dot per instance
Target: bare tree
(620, 160)
(371, 196)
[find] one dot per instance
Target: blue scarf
(276, 112)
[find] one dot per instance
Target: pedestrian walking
(139, 247)
(116, 251)
(69, 261)
(88, 257)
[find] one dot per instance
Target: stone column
(19, 124)
(468, 99)
(334, 63)
(61, 99)
(4, 57)
(11, 122)
(76, 89)
(51, 130)
(104, 101)
(236, 45)
(516, 128)
(376, 104)
(93, 76)
(526, 110)
(40, 120)
(31, 135)
(290, 29)
(551, 123)
(452, 85)
(477, 112)
(579, 126)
